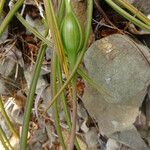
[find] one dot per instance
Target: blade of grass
(32, 30)
(65, 105)
(99, 88)
(87, 33)
(1, 6)
(10, 15)
(74, 108)
(134, 10)
(60, 11)
(9, 123)
(2, 133)
(79, 59)
(30, 98)
(54, 91)
(56, 34)
(128, 16)
(3, 143)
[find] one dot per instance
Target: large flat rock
(116, 63)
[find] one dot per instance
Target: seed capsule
(71, 34)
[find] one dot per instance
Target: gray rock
(2, 87)
(38, 138)
(10, 57)
(147, 106)
(131, 138)
(91, 138)
(112, 144)
(116, 63)
(28, 72)
(48, 53)
(11, 63)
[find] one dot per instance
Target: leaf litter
(18, 54)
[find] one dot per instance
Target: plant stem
(60, 12)
(54, 91)
(53, 26)
(63, 97)
(3, 143)
(79, 59)
(10, 15)
(30, 98)
(65, 106)
(32, 30)
(1, 7)
(68, 6)
(72, 61)
(2, 133)
(2, 110)
(135, 11)
(128, 16)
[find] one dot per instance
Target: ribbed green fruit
(71, 34)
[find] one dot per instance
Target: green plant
(135, 17)
(30, 100)
(1, 6)
(4, 138)
(9, 123)
(9, 16)
(3, 143)
(60, 63)
(71, 34)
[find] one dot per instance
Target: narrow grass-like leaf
(9, 123)
(2, 133)
(128, 16)
(3, 143)
(99, 88)
(10, 16)
(65, 105)
(2, 2)
(135, 11)
(60, 11)
(51, 19)
(53, 91)
(32, 30)
(79, 59)
(30, 98)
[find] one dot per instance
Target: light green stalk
(2, 133)
(68, 6)
(65, 105)
(10, 15)
(79, 59)
(2, 2)
(32, 30)
(9, 123)
(71, 35)
(74, 110)
(53, 26)
(30, 98)
(3, 143)
(54, 90)
(135, 11)
(60, 11)
(128, 16)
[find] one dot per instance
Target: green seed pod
(71, 34)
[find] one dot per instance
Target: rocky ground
(118, 58)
